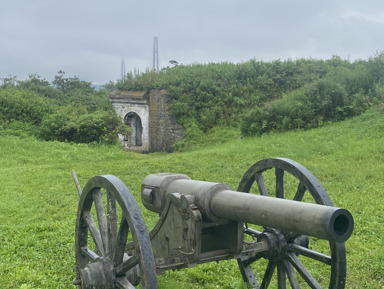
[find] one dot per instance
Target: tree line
(68, 109)
(255, 96)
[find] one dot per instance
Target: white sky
(88, 38)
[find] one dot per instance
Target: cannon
(279, 225)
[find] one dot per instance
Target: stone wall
(164, 130)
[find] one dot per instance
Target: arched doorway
(134, 121)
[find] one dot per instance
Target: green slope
(39, 201)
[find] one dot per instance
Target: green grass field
(38, 200)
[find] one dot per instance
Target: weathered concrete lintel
(130, 101)
(122, 94)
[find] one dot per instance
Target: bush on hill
(75, 124)
(68, 111)
(23, 105)
(267, 96)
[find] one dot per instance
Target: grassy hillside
(263, 97)
(39, 201)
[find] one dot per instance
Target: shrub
(23, 105)
(75, 124)
(328, 98)
(305, 108)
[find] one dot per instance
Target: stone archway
(134, 121)
(148, 113)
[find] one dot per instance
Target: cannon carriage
(203, 221)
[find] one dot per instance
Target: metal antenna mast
(123, 75)
(155, 54)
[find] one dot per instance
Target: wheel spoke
(89, 253)
(112, 223)
(300, 192)
(127, 265)
(339, 264)
(268, 275)
(261, 185)
(121, 241)
(281, 279)
(300, 250)
(250, 260)
(279, 183)
(94, 231)
(97, 198)
(292, 258)
(292, 275)
(123, 283)
(247, 273)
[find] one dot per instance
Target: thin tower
(155, 54)
(123, 68)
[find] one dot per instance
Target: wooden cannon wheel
(294, 257)
(101, 259)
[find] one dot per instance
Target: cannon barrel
(320, 221)
(218, 202)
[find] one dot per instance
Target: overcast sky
(88, 38)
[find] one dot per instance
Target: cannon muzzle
(319, 221)
(218, 202)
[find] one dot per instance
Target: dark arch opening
(134, 121)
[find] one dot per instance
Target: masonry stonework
(154, 128)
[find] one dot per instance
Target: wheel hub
(98, 275)
(277, 244)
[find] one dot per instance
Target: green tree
(68, 84)
(9, 81)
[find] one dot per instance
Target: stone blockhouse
(154, 128)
